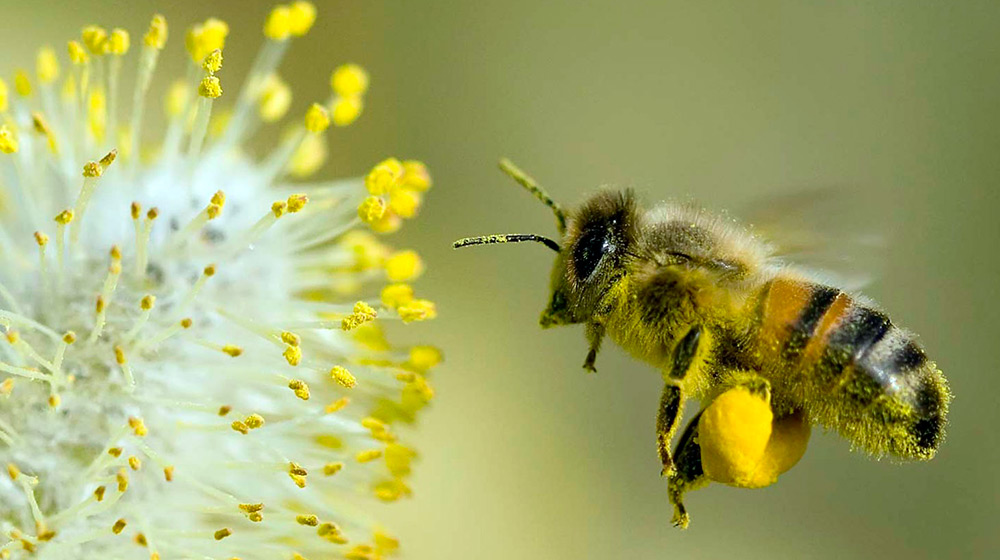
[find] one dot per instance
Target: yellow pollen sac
(292, 355)
(108, 159)
(115, 253)
(168, 473)
(205, 38)
(279, 23)
(398, 458)
(223, 533)
(403, 266)
(300, 388)
(118, 42)
(233, 351)
(385, 542)
(8, 143)
(254, 421)
(69, 337)
(13, 471)
(416, 176)
(240, 427)
(342, 376)
(118, 527)
(743, 445)
(156, 35)
(152, 213)
(368, 455)
(176, 99)
(92, 170)
(140, 539)
(22, 84)
(115, 451)
(395, 295)
(251, 508)
(224, 410)
(47, 65)
(213, 62)
(4, 97)
(13, 336)
(134, 463)
(122, 478)
(64, 217)
(210, 87)
(383, 176)
(95, 39)
(41, 239)
(404, 202)
(301, 17)
(362, 313)
(307, 520)
(331, 469)
(336, 405)
(209, 271)
(135, 210)
(317, 118)
(138, 426)
(417, 310)
(77, 54)
(297, 202)
(290, 338)
(347, 109)
(349, 79)
(54, 401)
(7, 387)
(423, 358)
(119, 355)
(275, 99)
(279, 208)
(371, 209)
(147, 302)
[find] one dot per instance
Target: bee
(712, 308)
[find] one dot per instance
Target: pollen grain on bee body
(216, 297)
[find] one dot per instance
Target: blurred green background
(525, 456)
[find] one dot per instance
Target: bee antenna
(533, 187)
(506, 238)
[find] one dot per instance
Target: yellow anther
(13, 471)
(205, 38)
(7, 387)
(118, 42)
(398, 459)
(77, 54)
(95, 39)
(225, 409)
(383, 176)
(307, 520)
(168, 473)
(153, 213)
(404, 202)
(391, 490)
(213, 211)
(416, 176)
(176, 99)
(156, 35)
(342, 376)
(115, 451)
(4, 97)
(120, 355)
(233, 351)
(317, 118)
(223, 533)
(330, 532)
(147, 302)
(395, 295)
(251, 508)
(403, 266)
(254, 421)
(368, 455)
(92, 170)
(47, 65)
(385, 542)
(373, 424)
(362, 313)
(210, 87)
(108, 159)
(22, 83)
(134, 463)
(45, 535)
(348, 80)
(135, 210)
(297, 469)
(41, 239)
(13, 336)
(8, 143)
(290, 338)
(417, 310)
(186, 323)
(275, 98)
(115, 253)
(69, 337)
(140, 539)
(278, 208)
(293, 355)
(423, 358)
(331, 469)
(371, 209)
(54, 401)
(336, 405)
(99, 493)
(213, 62)
(346, 110)
(122, 478)
(297, 202)
(240, 427)
(309, 156)
(300, 388)
(138, 426)
(99, 304)
(64, 217)
(279, 23)
(302, 16)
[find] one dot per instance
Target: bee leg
(672, 399)
(595, 333)
(688, 474)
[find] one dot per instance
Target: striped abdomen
(850, 368)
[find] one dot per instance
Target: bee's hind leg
(688, 473)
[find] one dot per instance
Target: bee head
(588, 260)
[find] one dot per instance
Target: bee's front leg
(595, 334)
(672, 399)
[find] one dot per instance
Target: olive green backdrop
(523, 454)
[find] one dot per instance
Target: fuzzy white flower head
(186, 373)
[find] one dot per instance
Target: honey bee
(709, 305)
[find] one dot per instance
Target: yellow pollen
(99, 304)
(205, 38)
(395, 295)
(134, 463)
(13, 336)
(301, 17)
(415, 176)
(213, 62)
(147, 302)
(99, 493)
(278, 208)
(108, 159)
(69, 337)
(118, 42)
(404, 202)
(209, 270)
(156, 35)
(168, 473)
(317, 118)
(54, 401)
(296, 469)
(223, 533)
(210, 87)
(94, 38)
(383, 176)
(13, 471)
(240, 427)
(7, 387)
(119, 355)
(138, 426)
(64, 217)
(41, 239)
(418, 310)
(118, 527)
(135, 210)
(403, 266)
(331, 469)
(349, 79)
(423, 358)
(186, 323)
(115, 451)
(140, 539)
(8, 143)
(22, 84)
(293, 355)
(297, 202)
(254, 421)
(362, 313)
(225, 409)
(233, 351)
(115, 253)
(153, 213)
(300, 388)
(290, 338)
(346, 110)
(307, 520)
(279, 23)
(368, 455)
(77, 54)
(275, 98)
(47, 65)
(92, 169)
(371, 209)
(336, 405)
(122, 478)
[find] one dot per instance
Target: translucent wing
(840, 233)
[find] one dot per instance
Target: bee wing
(840, 233)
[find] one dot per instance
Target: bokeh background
(523, 454)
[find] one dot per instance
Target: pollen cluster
(194, 363)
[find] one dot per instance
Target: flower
(194, 360)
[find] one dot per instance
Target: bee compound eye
(589, 250)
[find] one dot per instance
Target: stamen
(110, 283)
(91, 173)
(153, 43)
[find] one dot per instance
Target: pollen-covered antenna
(506, 238)
(532, 186)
